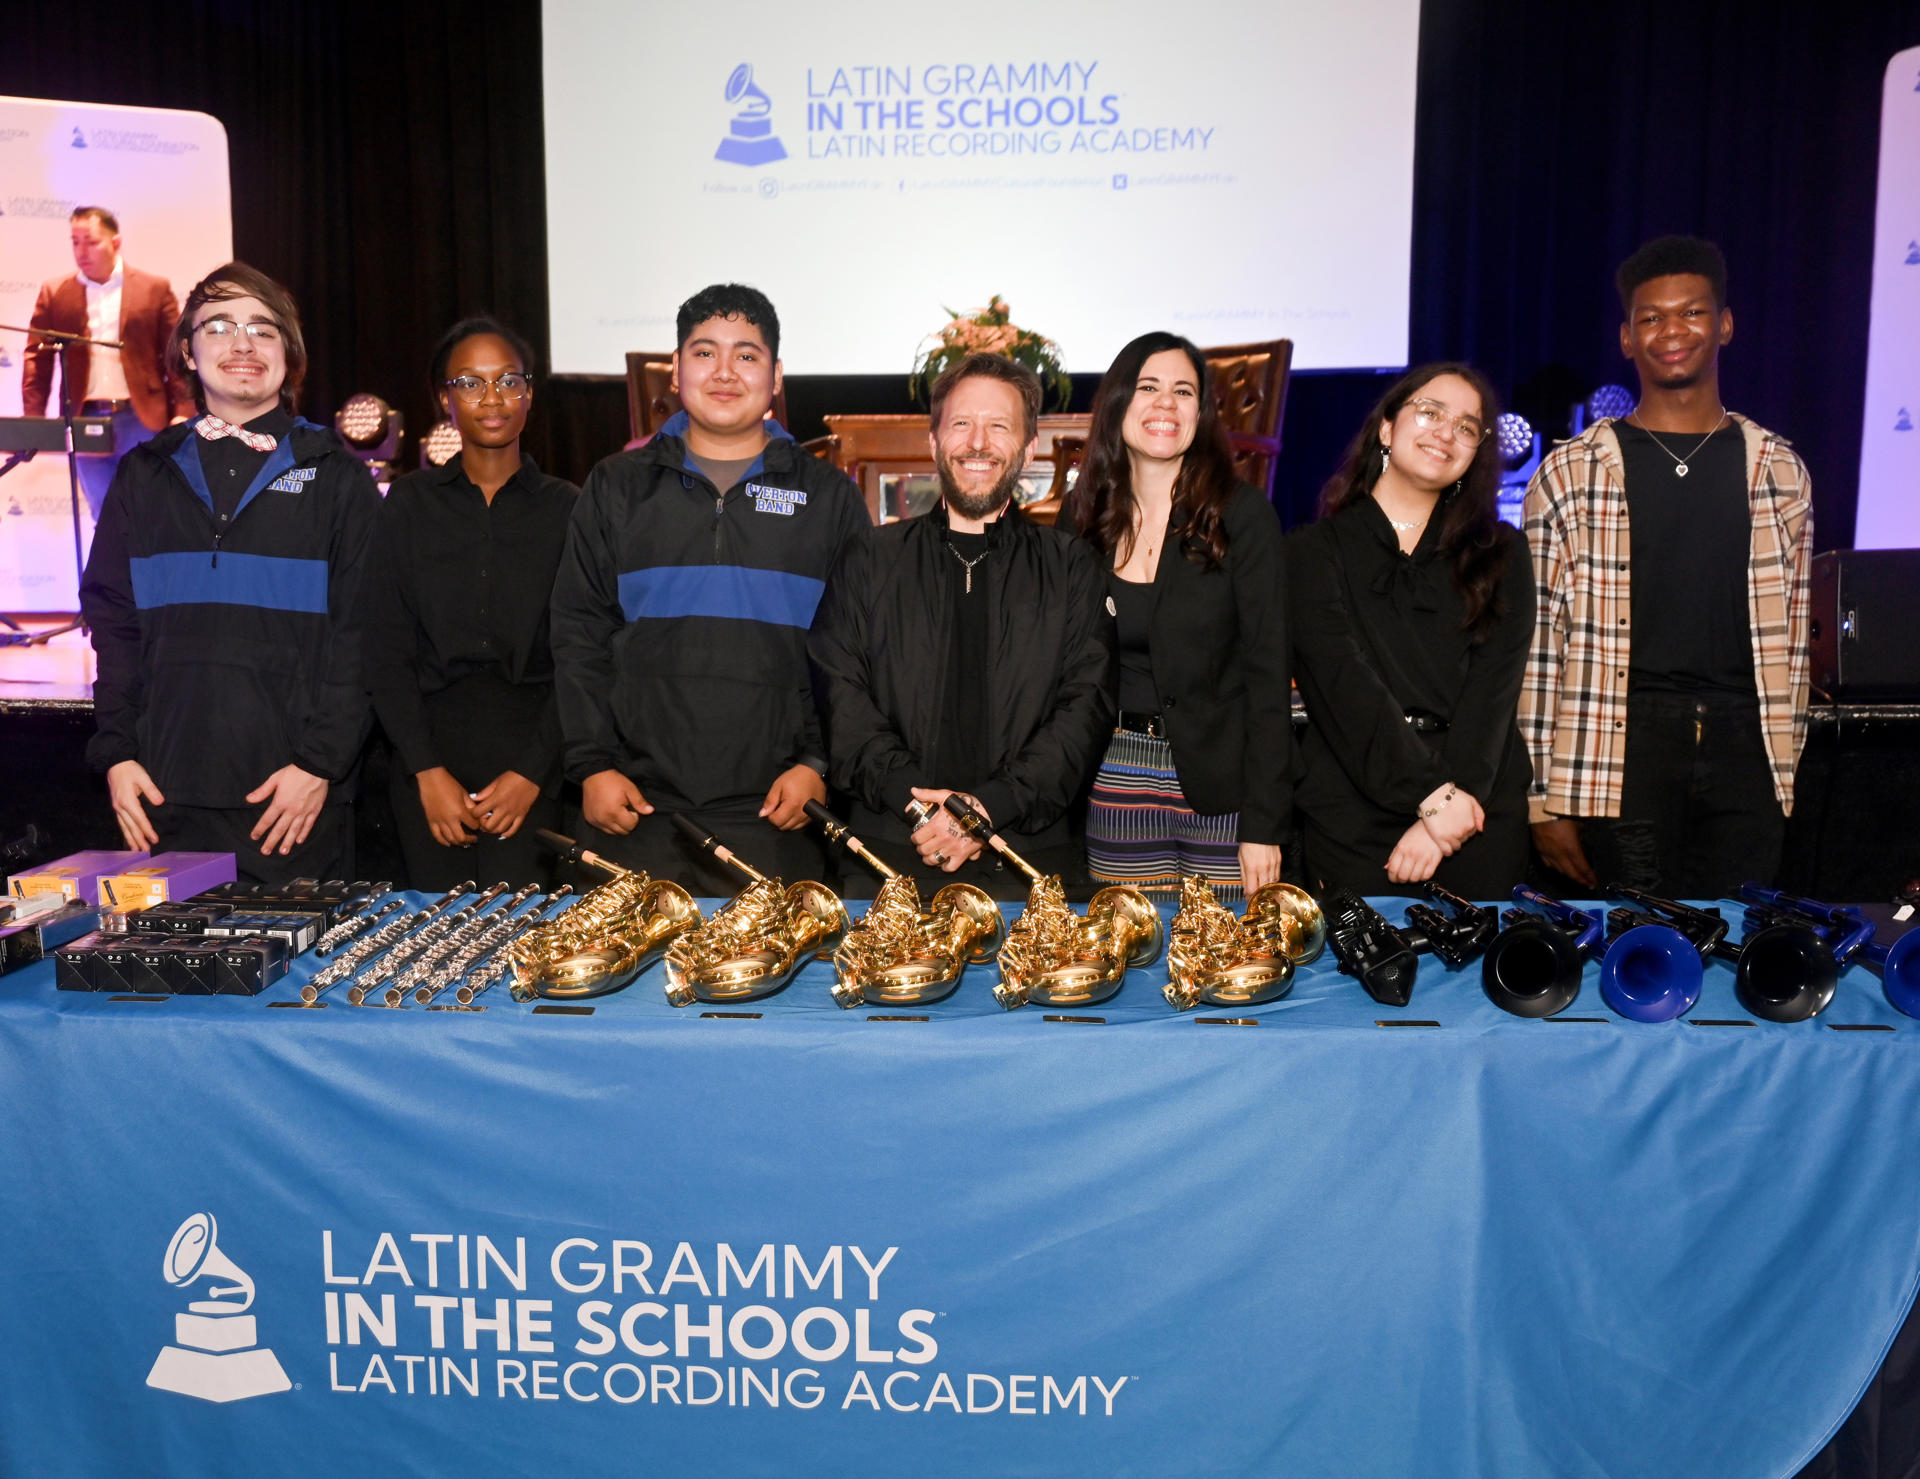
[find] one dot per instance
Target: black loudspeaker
(1866, 624)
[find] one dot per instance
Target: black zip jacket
(228, 652)
(680, 618)
(879, 655)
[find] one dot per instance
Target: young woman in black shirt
(1196, 777)
(459, 664)
(1412, 607)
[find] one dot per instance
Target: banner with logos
(247, 1241)
(163, 173)
(1889, 509)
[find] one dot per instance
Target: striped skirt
(1141, 831)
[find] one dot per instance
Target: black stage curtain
(388, 164)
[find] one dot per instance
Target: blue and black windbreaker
(225, 654)
(680, 618)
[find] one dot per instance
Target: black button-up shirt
(463, 590)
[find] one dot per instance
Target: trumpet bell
(1651, 973)
(1785, 974)
(1532, 969)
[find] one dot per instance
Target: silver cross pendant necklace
(1679, 462)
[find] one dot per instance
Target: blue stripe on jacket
(739, 592)
(190, 577)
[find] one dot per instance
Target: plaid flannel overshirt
(1573, 701)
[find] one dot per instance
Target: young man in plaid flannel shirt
(1665, 700)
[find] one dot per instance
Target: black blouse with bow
(1378, 636)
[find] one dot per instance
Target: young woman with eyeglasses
(458, 657)
(1411, 610)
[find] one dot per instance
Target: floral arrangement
(989, 330)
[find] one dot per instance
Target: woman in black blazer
(1196, 777)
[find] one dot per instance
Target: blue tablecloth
(1315, 1246)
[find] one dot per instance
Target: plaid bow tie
(213, 428)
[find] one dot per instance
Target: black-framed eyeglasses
(513, 386)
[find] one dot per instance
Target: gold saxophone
(606, 939)
(755, 944)
(901, 954)
(1053, 955)
(1228, 962)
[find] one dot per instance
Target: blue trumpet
(1653, 969)
(1533, 968)
(1850, 935)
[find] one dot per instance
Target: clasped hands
(614, 804)
(456, 819)
(1455, 819)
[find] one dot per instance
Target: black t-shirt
(1690, 548)
(960, 759)
(1133, 615)
(230, 465)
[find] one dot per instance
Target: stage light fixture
(1514, 436)
(441, 445)
(1608, 400)
(373, 429)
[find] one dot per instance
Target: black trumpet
(1456, 936)
(1379, 955)
(1533, 969)
(1788, 967)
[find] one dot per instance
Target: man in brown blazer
(106, 299)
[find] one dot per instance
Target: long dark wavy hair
(1101, 505)
(1469, 538)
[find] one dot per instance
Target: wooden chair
(651, 402)
(1250, 393)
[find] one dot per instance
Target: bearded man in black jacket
(968, 650)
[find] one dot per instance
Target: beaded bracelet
(1427, 814)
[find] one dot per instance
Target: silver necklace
(969, 564)
(1407, 528)
(1679, 462)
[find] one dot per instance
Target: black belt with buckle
(1136, 722)
(1421, 721)
(104, 408)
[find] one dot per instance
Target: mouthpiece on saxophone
(977, 826)
(708, 842)
(574, 852)
(838, 831)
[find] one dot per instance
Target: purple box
(165, 876)
(76, 876)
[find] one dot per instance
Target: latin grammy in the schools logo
(215, 1355)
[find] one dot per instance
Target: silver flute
(363, 950)
(500, 926)
(501, 963)
(449, 945)
(352, 928)
(415, 945)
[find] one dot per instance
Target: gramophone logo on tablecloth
(750, 138)
(216, 1356)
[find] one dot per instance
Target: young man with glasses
(457, 656)
(681, 610)
(1665, 701)
(224, 591)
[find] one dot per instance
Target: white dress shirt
(106, 379)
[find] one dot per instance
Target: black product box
(246, 967)
(176, 919)
(23, 944)
(193, 965)
(73, 961)
(152, 969)
(117, 969)
(299, 929)
(329, 899)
